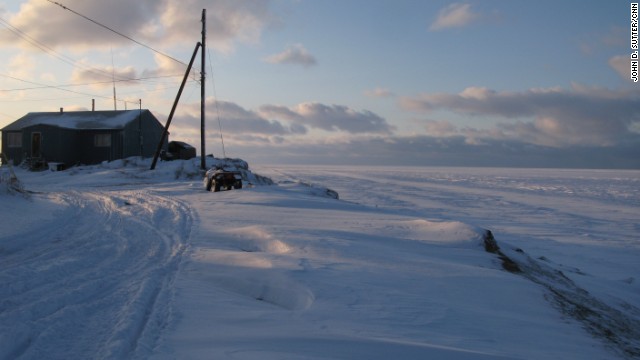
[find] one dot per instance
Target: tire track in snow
(95, 280)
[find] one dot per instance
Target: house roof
(81, 120)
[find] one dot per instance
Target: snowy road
(94, 278)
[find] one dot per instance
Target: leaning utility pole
(202, 96)
(165, 132)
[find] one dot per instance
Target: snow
(116, 261)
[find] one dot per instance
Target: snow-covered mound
(136, 170)
(9, 182)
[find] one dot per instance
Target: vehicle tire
(216, 187)
(209, 184)
(239, 185)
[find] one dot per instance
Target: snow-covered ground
(115, 261)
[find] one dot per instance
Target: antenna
(113, 78)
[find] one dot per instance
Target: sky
(370, 82)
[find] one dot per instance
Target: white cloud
(479, 93)
(294, 54)
(454, 15)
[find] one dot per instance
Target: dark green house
(81, 137)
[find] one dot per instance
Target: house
(81, 137)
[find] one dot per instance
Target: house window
(102, 140)
(14, 140)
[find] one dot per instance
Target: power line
(215, 96)
(48, 50)
(85, 84)
(117, 32)
(58, 88)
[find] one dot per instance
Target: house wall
(89, 153)
(14, 154)
(151, 133)
(56, 144)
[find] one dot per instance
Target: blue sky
(490, 83)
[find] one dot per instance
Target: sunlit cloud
(295, 54)
(453, 16)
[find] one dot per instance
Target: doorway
(36, 144)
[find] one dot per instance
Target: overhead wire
(215, 96)
(48, 50)
(46, 86)
(57, 87)
(117, 32)
(84, 84)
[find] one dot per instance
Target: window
(102, 140)
(14, 140)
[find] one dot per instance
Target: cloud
(295, 54)
(158, 23)
(454, 15)
(622, 65)
(103, 77)
(237, 120)
(21, 66)
(330, 118)
(227, 21)
(379, 93)
(279, 134)
(440, 128)
(273, 124)
(615, 37)
(580, 116)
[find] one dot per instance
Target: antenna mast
(113, 78)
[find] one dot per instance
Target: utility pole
(165, 133)
(202, 95)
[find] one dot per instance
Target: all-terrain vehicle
(217, 179)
